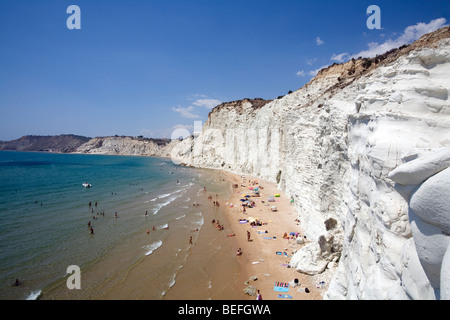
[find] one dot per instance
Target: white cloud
(315, 72)
(410, 34)
(207, 103)
(147, 132)
(300, 73)
(340, 57)
(319, 41)
(199, 95)
(196, 96)
(196, 107)
(187, 112)
(311, 61)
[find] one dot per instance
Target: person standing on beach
(190, 240)
(259, 296)
(248, 236)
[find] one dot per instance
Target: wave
(163, 226)
(165, 195)
(199, 222)
(161, 205)
(152, 247)
(169, 285)
(172, 280)
(34, 295)
(180, 217)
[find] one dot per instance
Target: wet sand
(210, 268)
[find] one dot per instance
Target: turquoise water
(44, 216)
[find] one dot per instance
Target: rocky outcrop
(429, 211)
(64, 143)
(131, 146)
(334, 146)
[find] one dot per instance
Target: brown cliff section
(345, 73)
(64, 143)
(238, 106)
(337, 76)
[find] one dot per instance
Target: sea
(129, 234)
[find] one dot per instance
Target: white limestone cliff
(335, 146)
(429, 211)
(122, 145)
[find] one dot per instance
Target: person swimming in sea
(16, 283)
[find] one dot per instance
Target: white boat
(86, 185)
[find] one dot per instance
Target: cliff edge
(130, 146)
(332, 145)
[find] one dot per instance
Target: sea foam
(152, 247)
(34, 295)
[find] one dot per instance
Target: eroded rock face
(429, 210)
(130, 146)
(332, 146)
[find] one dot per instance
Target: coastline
(260, 258)
(211, 269)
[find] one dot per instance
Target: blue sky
(146, 67)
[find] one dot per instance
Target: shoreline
(260, 258)
(221, 274)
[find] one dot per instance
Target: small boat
(86, 185)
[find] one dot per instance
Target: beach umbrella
(256, 189)
(243, 199)
(251, 188)
(247, 196)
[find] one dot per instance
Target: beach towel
(284, 296)
(268, 238)
(281, 286)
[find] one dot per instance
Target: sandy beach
(259, 255)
